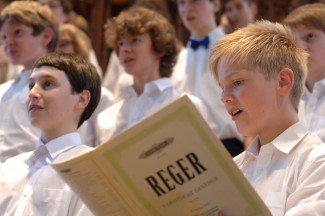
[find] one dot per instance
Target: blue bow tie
(196, 43)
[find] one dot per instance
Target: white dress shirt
(288, 173)
(312, 109)
(192, 75)
(29, 186)
(132, 108)
(17, 135)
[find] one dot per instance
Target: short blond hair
(266, 46)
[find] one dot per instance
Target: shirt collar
(155, 85)
(159, 84)
(61, 144)
(285, 142)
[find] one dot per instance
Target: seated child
(261, 69)
(73, 40)
(191, 73)
(64, 92)
(115, 78)
(308, 25)
(147, 48)
(240, 13)
(29, 31)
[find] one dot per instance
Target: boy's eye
(237, 83)
(31, 85)
(18, 32)
(120, 44)
(310, 37)
(135, 40)
(47, 84)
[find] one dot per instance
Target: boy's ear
(285, 80)
(83, 100)
(47, 36)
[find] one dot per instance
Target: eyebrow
(44, 77)
(228, 77)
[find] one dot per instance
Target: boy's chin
(35, 122)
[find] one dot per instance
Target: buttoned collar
(285, 142)
(157, 85)
(58, 145)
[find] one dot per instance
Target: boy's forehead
(227, 68)
(48, 71)
(128, 35)
(8, 26)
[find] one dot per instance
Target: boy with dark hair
(261, 70)
(64, 91)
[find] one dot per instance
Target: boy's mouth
(234, 113)
(190, 18)
(34, 107)
(127, 60)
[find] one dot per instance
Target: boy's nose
(125, 48)
(226, 97)
(7, 42)
(33, 93)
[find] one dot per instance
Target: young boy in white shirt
(64, 92)
(29, 31)
(261, 70)
(191, 73)
(147, 48)
(308, 25)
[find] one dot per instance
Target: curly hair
(139, 20)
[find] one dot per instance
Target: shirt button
(311, 105)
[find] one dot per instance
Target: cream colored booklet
(171, 163)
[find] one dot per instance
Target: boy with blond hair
(308, 25)
(261, 70)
